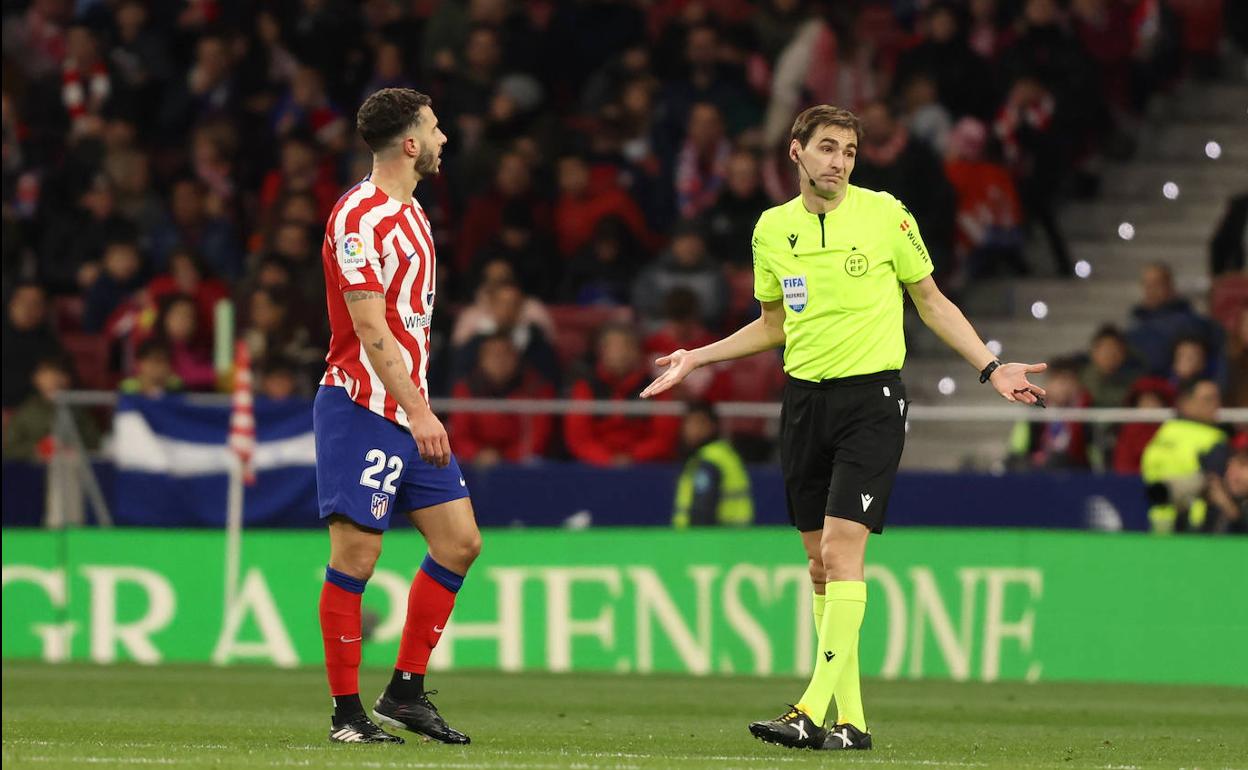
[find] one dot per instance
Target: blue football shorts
(367, 467)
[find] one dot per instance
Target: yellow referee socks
(848, 690)
(844, 605)
(848, 694)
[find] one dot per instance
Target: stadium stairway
(1173, 148)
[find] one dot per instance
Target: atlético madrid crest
(381, 504)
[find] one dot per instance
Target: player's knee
(359, 567)
(357, 561)
(457, 554)
(469, 548)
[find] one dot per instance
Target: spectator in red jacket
(582, 205)
(188, 275)
(682, 328)
(486, 438)
(176, 328)
(1146, 393)
(483, 217)
(299, 170)
(989, 232)
(620, 374)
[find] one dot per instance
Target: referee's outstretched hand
(1010, 380)
(679, 364)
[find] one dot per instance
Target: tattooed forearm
(383, 352)
(388, 363)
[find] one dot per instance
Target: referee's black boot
(794, 728)
(845, 737)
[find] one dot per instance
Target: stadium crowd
(606, 163)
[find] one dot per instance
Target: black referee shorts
(840, 443)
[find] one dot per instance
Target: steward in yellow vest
(1172, 466)
(713, 488)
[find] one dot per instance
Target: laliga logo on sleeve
(794, 292)
(353, 251)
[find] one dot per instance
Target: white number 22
(377, 458)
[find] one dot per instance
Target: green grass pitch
(79, 716)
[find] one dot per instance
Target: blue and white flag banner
(172, 461)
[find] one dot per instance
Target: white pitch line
(486, 762)
(320, 762)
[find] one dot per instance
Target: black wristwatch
(986, 374)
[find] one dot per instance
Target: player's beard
(426, 163)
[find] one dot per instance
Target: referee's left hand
(1010, 380)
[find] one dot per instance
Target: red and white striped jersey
(376, 243)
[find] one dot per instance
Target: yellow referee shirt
(840, 277)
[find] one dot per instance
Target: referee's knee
(818, 575)
(841, 563)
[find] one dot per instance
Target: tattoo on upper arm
(379, 344)
(356, 296)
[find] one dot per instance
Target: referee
(829, 269)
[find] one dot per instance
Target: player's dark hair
(387, 113)
(812, 119)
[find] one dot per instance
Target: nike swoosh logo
(439, 629)
(345, 640)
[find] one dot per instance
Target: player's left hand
(1011, 382)
(431, 438)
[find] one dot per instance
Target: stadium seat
(1228, 299)
(742, 306)
(575, 326)
(754, 378)
(67, 313)
(90, 354)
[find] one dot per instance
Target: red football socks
(429, 604)
(340, 631)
